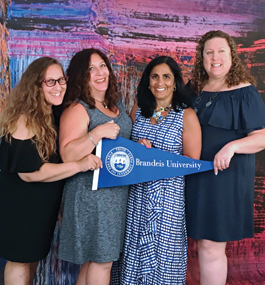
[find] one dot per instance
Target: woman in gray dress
(93, 221)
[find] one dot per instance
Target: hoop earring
(174, 89)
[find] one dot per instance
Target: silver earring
(148, 87)
(174, 89)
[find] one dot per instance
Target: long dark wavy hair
(79, 75)
(146, 99)
(28, 98)
(238, 72)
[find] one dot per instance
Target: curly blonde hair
(28, 98)
(237, 73)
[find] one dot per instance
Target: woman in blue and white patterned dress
(155, 250)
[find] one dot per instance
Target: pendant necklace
(208, 103)
(102, 102)
(159, 113)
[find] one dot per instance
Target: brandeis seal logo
(119, 161)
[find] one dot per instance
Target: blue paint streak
(186, 57)
(52, 10)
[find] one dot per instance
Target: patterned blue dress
(155, 250)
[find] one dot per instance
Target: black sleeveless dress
(28, 211)
(220, 207)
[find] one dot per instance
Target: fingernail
(215, 173)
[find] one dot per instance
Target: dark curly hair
(77, 86)
(146, 99)
(238, 72)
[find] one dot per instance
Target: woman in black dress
(231, 112)
(28, 211)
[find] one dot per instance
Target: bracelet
(95, 144)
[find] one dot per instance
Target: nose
(99, 71)
(57, 85)
(160, 80)
(215, 55)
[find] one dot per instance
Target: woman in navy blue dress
(231, 112)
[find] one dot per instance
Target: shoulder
(242, 91)
(133, 112)
(240, 85)
(120, 106)
(189, 114)
(191, 122)
(22, 131)
(75, 110)
(190, 118)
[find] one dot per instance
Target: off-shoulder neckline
(230, 90)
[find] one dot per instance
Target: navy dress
(220, 207)
(28, 211)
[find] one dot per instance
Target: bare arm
(50, 172)
(252, 143)
(133, 112)
(191, 138)
(145, 142)
(74, 140)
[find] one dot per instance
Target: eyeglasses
(52, 82)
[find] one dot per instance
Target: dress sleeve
(19, 156)
(242, 110)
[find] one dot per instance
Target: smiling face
(162, 83)
(99, 76)
(217, 58)
(54, 95)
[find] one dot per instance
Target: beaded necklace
(159, 113)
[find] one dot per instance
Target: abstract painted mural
(131, 33)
